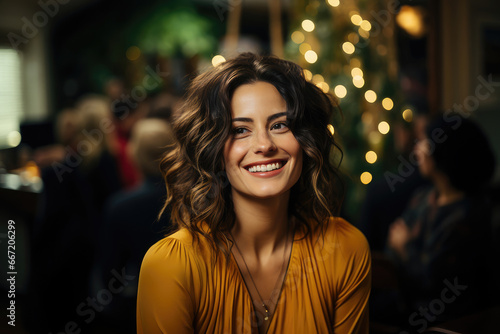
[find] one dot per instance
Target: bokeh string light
(311, 56)
(304, 47)
(217, 60)
(340, 91)
(370, 96)
(387, 103)
(408, 115)
(348, 48)
(317, 78)
(366, 177)
(383, 127)
(298, 37)
(373, 122)
(334, 3)
(371, 157)
(308, 25)
(308, 75)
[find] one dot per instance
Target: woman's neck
(262, 225)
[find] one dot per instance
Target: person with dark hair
(386, 198)
(69, 213)
(443, 236)
(253, 193)
(130, 225)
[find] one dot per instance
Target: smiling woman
(262, 157)
(253, 194)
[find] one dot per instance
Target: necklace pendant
(267, 312)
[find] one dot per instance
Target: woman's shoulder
(346, 253)
(348, 235)
(340, 225)
(341, 229)
(174, 248)
(340, 235)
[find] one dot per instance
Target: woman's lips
(266, 166)
(266, 169)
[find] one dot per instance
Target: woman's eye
(239, 131)
(279, 126)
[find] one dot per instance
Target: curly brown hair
(197, 189)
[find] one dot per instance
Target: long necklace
(266, 317)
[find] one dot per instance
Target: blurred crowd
(98, 212)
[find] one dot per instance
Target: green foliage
(333, 27)
(178, 32)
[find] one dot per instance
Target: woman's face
(426, 163)
(262, 157)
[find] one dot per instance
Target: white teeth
(265, 168)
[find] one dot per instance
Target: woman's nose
(263, 142)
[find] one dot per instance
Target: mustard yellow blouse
(182, 289)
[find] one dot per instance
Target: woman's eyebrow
(270, 118)
(277, 115)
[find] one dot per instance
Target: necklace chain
(266, 309)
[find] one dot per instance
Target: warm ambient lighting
(381, 50)
(355, 62)
(340, 91)
(353, 38)
(334, 3)
(133, 53)
(387, 103)
(308, 75)
(348, 48)
(311, 56)
(318, 78)
(366, 178)
(358, 81)
(298, 37)
(371, 157)
(217, 60)
(366, 118)
(408, 115)
(308, 25)
(356, 19)
(411, 19)
(356, 71)
(304, 47)
(365, 25)
(370, 96)
(374, 137)
(363, 33)
(383, 127)
(324, 87)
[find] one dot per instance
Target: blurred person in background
(127, 112)
(69, 213)
(131, 223)
(99, 162)
(443, 238)
(386, 198)
(166, 106)
(67, 125)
